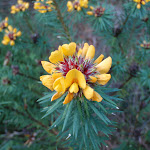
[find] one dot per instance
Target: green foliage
(28, 118)
(86, 117)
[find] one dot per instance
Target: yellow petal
(93, 79)
(6, 19)
(10, 28)
(70, 6)
(69, 49)
(6, 24)
(78, 8)
(103, 78)
(90, 53)
(99, 59)
(143, 2)
(96, 97)
(138, 6)
(49, 67)
(56, 96)
(56, 75)
(4, 42)
(88, 92)
(19, 33)
(47, 81)
(79, 52)
(72, 47)
(74, 88)
(59, 85)
(85, 48)
(91, 7)
(75, 75)
(14, 30)
(12, 42)
(89, 13)
(6, 38)
(105, 65)
(56, 56)
(68, 98)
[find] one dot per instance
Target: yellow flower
(70, 6)
(90, 13)
(10, 36)
(4, 24)
(43, 7)
(97, 12)
(77, 5)
(145, 45)
(83, 3)
(69, 49)
(140, 3)
(73, 71)
(20, 6)
(56, 56)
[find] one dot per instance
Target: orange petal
(103, 78)
(56, 96)
(69, 49)
(96, 97)
(79, 52)
(59, 85)
(93, 79)
(88, 92)
(56, 56)
(74, 88)
(105, 65)
(90, 53)
(47, 66)
(68, 98)
(56, 75)
(75, 75)
(47, 81)
(89, 13)
(99, 59)
(85, 48)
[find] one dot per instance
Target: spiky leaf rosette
(137, 8)
(76, 78)
(100, 17)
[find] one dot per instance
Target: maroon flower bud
(35, 37)
(6, 81)
(15, 69)
(8, 54)
(133, 69)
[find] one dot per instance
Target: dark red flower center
(87, 67)
(99, 11)
(11, 36)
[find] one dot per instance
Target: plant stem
(28, 23)
(124, 23)
(27, 76)
(29, 116)
(62, 21)
(123, 84)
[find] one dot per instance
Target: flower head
(97, 12)
(4, 24)
(43, 7)
(10, 36)
(73, 70)
(77, 5)
(145, 45)
(141, 2)
(20, 6)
